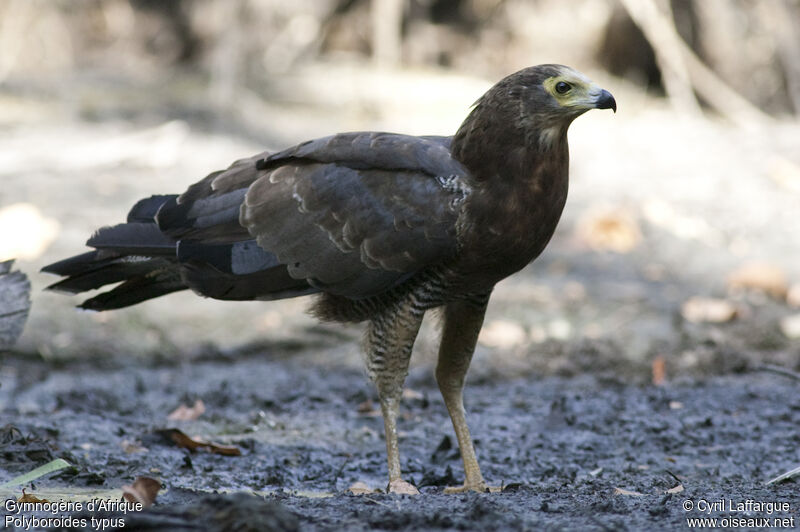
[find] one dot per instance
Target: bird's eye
(562, 87)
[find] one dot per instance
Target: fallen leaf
(675, 489)
(412, 395)
(659, 370)
(790, 326)
(360, 488)
(188, 413)
(760, 276)
(785, 476)
(662, 214)
(143, 490)
(502, 334)
(609, 229)
(367, 408)
(49, 467)
(180, 439)
(132, 447)
(620, 491)
(708, 309)
(27, 497)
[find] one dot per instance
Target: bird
(380, 227)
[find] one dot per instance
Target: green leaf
(46, 469)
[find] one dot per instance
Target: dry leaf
(659, 371)
(360, 488)
(676, 489)
(132, 447)
(412, 395)
(620, 491)
(186, 413)
(367, 408)
(27, 497)
(790, 326)
(760, 276)
(609, 230)
(143, 491)
(502, 334)
(708, 309)
(662, 214)
(180, 439)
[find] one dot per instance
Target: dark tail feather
(136, 290)
(136, 253)
(133, 239)
(146, 209)
(115, 271)
(148, 263)
(78, 264)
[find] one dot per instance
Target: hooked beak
(605, 101)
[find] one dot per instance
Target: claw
(480, 488)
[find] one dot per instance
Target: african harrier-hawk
(382, 226)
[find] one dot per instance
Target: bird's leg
(462, 323)
(389, 340)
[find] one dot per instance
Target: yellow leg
(462, 323)
(390, 338)
(389, 408)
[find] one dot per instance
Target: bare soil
(561, 448)
(561, 398)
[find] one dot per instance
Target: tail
(135, 253)
(149, 264)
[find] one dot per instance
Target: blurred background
(678, 248)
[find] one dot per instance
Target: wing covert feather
(350, 229)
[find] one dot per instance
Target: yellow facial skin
(581, 93)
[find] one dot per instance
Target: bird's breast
(506, 227)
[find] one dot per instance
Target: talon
(480, 488)
(402, 487)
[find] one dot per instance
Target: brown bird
(384, 227)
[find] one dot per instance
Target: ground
(570, 410)
(562, 447)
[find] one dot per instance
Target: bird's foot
(479, 487)
(402, 487)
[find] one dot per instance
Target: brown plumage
(383, 227)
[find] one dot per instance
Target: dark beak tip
(606, 101)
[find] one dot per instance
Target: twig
(778, 370)
(387, 21)
(672, 51)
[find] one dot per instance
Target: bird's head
(566, 91)
(528, 110)
(549, 95)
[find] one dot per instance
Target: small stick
(778, 370)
